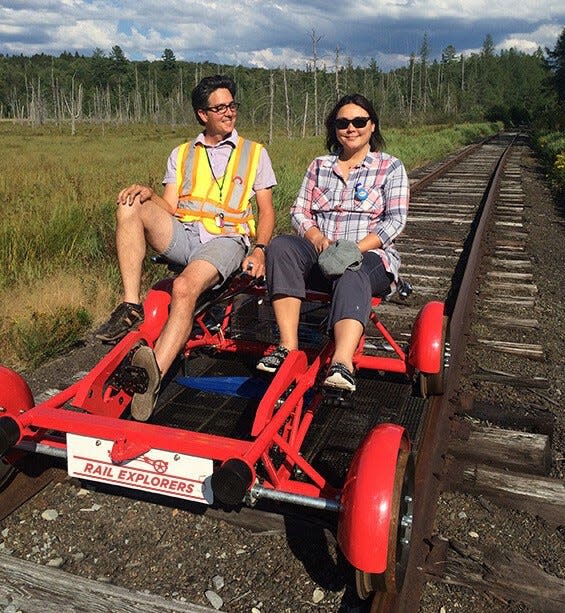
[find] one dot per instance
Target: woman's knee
(351, 297)
(280, 246)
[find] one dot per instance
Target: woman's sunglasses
(342, 123)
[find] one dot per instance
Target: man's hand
(128, 195)
(254, 263)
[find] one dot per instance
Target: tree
(120, 73)
(556, 64)
(489, 76)
(424, 58)
(448, 54)
(169, 59)
(315, 40)
(512, 85)
(168, 71)
(488, 47)
(117, 55)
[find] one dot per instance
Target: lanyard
(220, 185)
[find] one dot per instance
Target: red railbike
(224, 436)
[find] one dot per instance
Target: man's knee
(126, 213)
(136, 211)
(185, 289)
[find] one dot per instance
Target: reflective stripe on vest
(199, 192)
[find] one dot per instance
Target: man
(203, 221)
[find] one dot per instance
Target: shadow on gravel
(313, 545)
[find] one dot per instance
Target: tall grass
(57, 200)
(551, 149)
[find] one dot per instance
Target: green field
(59, 273)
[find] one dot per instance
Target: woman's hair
(207, 86)
(376, 142)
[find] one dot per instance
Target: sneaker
(124, 317)
(273, 361)
(142, 404)
(340, 378)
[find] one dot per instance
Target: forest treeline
(511, 86)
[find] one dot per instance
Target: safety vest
(220, 203)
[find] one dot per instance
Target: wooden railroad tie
(505, 574)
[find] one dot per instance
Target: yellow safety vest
(220, 203)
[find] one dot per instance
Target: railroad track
(459, 211)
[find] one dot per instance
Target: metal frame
(95, 407)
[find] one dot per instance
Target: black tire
(7, 473)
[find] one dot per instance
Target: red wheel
(402, 507)
(434, 384)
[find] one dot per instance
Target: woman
(356, 193)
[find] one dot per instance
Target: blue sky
(277, 33)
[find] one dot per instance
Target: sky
(277, 33)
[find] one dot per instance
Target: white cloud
(86, 33)
(544, 36)
(270, 33)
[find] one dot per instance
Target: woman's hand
(318, 240)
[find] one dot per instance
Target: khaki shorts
(225, 253)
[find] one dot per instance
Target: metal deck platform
(335, 433)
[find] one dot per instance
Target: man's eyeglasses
(220, 109)
(342, 123)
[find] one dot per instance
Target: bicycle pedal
(338, 398)
(132, 379)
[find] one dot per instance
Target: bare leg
(197, 277)
(287, 314)
(347, 334)
(136, 224)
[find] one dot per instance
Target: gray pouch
(338, 257)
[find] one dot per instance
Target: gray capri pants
(292, 267)
(226, 253)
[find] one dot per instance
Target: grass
(58, 269)
(42, 336)
(551, 148)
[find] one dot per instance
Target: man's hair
(201, 93)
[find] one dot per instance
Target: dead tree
(337, 96)
(305, 116)
(315, 40)
(74, 105)
(271, 105)
(287, 104)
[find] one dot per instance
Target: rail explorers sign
(158, 471)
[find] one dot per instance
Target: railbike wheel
(434, 384)
(7, 473)
(402, 507)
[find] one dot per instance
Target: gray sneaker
(339, 378)
(143, 404)
(124, 317)
(273, 361)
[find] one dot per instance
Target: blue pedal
(245, 387)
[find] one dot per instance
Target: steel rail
(434, 442)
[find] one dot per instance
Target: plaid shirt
(332, 204)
